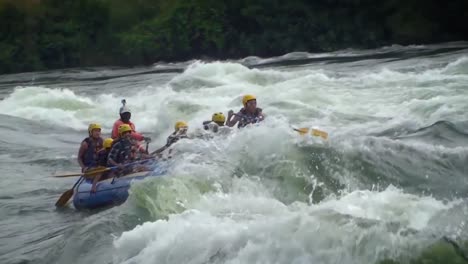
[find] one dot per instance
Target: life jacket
(248, 118)
(174, 137)
(121, 151)
(90, 157)
(102, 157)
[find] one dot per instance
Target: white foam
(209, 216)
(244, 220)
(312, 97)
(239, 227)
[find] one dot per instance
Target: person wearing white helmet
(125, 115)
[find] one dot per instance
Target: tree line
(50, 34)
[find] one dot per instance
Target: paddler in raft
(123, 152)
(125, 115)
(102, 161)
(180, 132)
(217, 121)
(249, 114)
(89, 148)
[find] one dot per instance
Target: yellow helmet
(218, 118)
(124, 128)
(107, 142)
(247, 98)
(93, 126)
(179, 125)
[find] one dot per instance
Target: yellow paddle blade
(303, 130)
(319, 133)
(314, 132)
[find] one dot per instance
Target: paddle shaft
(88, 173)
(92, 172)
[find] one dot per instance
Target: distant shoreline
(50, 34)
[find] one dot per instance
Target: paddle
(313, 132)
(63, 200)
(178, 135)
(159, 150)
(69, 193)
(88, 174)
(305, 130)
(94, 171)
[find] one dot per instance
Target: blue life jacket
(90, 157)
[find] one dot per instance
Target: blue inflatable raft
(109, 192)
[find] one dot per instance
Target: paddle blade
(319, 133)
(302, 131)
(314, 132)
(63, 200)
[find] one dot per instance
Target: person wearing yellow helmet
(104, 152)
(107, 144)
(180, 131)
(90, 146)
(102, 161)
(217, 120)
(249, 114)
(121, 150)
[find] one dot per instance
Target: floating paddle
(313, 132)
(63, 200)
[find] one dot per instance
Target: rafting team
(125, 147)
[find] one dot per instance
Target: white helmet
(124, 108)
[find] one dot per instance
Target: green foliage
(46, 34)
(440, 252)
